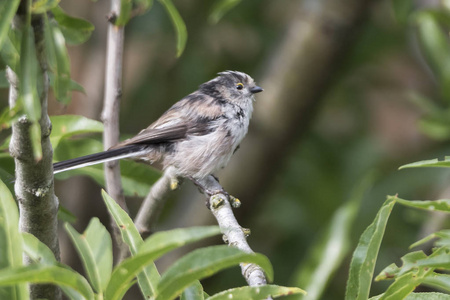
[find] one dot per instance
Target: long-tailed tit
(194, 138)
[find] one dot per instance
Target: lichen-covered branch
(233, 233)
(220, 206)
(33, 187)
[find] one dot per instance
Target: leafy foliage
(95, 250)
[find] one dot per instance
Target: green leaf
(27, 76)
(42, 6)
(28, 94)
(11, 243)
(35, 136)
(154, 247)
(65, 215)
(58, 60)
(193, 292)
(40, 253)
(330, 250)
(428, 163)
(37, 251)
(436, 47)
(436, 205)
(125, 12)
(76, 31)
(66, 126)
(178, 23)
(10, 51)
(149, 276)
(220, 8)
(404, 285)
(7, 11)
(421, 296)
(202, 263)
(8, 117)
(365, 254)
(257, 292)
(166, 241)
(443, 239)
(95, 250)
(7, 167)
(40, 273)
(439, 281)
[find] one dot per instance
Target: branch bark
(233, 234)
(110, 116)
(219, 204)
(34, 187)
(152, 205)
(113, 94)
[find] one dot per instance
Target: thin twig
(110, 114)
(152, 205)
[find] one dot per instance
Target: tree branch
(113, 94)
(33, 187)
(152, 205)
(110, 117)
(233, 234)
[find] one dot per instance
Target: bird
(195, 137)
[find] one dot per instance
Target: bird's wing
(189, 116)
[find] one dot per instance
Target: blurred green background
(353, 90)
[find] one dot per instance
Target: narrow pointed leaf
(36, 250)
(10, 52)
(428, 163)
(59, 61)
(40, 253)
(27, 76)
(257, 292)
(149, 276)
(42, 6)
(95, 250)
(154, 247)
(365, 254)
(439, 281)
(203, 263)
(193, 292)
(11, 243)
(436, 205)
(7, 11)
(28, 88)
(178, 23)
(40, 273)
(76, 31)
(125, 12)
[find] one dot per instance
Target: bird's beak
(256, 89)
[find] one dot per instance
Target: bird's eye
(239, 86)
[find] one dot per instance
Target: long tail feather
(98, 158)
